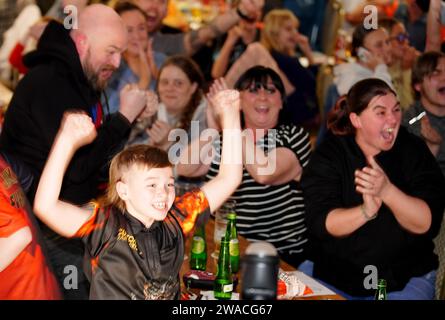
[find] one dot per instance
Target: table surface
(212, 262)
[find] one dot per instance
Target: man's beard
(93, 76)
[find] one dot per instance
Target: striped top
(272, 213)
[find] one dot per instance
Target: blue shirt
(123, 76)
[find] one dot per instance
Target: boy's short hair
(424, 67)
(141, 155)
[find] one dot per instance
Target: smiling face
(432, 89)
(377, 125)
(137, 31)
(175, 89)
(156, 11)
(261, 106)
(377, 42)
(148, 194)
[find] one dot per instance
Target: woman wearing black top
(374, 197)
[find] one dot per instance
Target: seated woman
(182, 105)
(269, 201)
(140, 63)
(374, 198)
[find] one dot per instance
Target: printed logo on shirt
(9, 181)
(124, 236)
(17, 199)
(8, 178)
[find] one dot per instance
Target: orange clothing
(28, 277)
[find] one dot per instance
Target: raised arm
(433, 26)
(194, 40)
(76, 130)
(226, 104)
(279, 166)
(221, 63)
(256, 54)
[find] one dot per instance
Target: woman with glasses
(402, 60)
(269, 200)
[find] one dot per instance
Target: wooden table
(212, 263)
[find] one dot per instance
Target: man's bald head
(100, 39)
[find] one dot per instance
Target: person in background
(28, 16)
(70, 69)
(372, 51)
(428, 81)
(435, 26)
(374, 196)
(402, 60)
(190, 42)
(235, 43)
(26, 44)
(276, 50)
(134, 240)
(269, 200)
(281, 38)
(182, 105)
(8, 12)
(140, 63)
(413, 14)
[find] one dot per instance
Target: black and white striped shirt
(272, 213)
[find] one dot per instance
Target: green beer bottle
(380, 294)
(198, 256)
(223, 285)
(232, 235)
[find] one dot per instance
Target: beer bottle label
(227, 287)
(198, 245)
(234, 247)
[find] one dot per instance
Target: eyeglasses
(401, 37)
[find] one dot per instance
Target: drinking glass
(221, 225)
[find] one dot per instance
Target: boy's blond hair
(273, 22)
(141, 155)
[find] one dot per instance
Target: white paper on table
(208, 295)
(317, 288)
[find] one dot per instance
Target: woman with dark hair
(374, 199)
(269, 200)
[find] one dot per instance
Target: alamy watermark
(372, 277)
(205, 153)
(70, 21)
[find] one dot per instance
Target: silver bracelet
(363, 211)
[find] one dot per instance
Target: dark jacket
(55, 84)
(301, 106)
(328, 183)
(125, 260)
